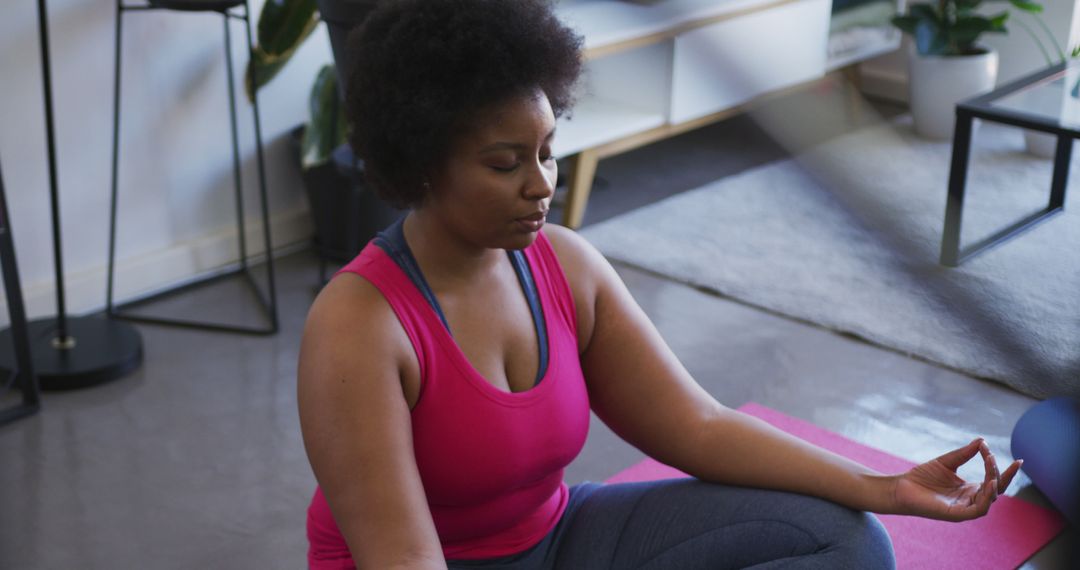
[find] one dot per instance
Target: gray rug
(847, 236)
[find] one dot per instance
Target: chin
(520, 241)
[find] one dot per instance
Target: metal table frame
(981, 107)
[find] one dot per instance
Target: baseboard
(149, 272)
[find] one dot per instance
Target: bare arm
(357, 430)
(639, 388)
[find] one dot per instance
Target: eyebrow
(513, 146)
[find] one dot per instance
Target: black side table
(1045, 101)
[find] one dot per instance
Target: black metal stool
(229, 9)
(22, 373)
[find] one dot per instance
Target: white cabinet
(655, 68)
(621, 95)
(731, 62)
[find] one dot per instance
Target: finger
(989, 464)
(988, 469)
(1007, 476)
(993, 461)
(988, 498)
(957, 457)
(986, 495)
(977, 507)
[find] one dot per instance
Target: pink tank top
(491, 461)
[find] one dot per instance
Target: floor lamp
(70, 352)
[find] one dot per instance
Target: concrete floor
(196, 461)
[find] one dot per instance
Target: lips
(533, 222)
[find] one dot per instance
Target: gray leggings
(686, 524)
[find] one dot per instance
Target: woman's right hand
(934, 490)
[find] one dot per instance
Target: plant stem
(1050, 35)
(1038, 42)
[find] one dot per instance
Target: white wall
(1018, 54)
(176, 201)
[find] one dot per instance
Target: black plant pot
(345, 211)
(341, 17)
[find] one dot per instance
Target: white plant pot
(937, 83)
(1043, 145)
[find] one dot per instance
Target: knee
(865, 541)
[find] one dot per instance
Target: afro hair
(421, 70)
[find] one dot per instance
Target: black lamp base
(99, 350)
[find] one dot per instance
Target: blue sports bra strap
(392, 241)
(524, 273)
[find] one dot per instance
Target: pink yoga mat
(1010, 534)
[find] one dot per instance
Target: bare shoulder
(351, 308)
(564, 238)
(352, 328)
(346, 297)
(588, 273)
(581, 262)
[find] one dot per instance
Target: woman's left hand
(934, 490)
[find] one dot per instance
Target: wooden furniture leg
(579, 183)
(853, 88)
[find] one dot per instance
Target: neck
(445, 259)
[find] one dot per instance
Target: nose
(540, 184)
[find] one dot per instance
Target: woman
(447, 373)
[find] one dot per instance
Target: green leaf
(326, 127)
(905, 24)
(1027, 6)
(998, 22)
(925, 12)
(263, 66)
(967, 31)
(283, 26)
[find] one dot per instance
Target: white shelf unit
(872, 37)
(622, 94)
(873, 47)
(655, 68)
(598, 121)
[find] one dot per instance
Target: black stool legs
(268, 301)
(22, 373)
(265, 205)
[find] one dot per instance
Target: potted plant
(946, 64)
(346, 213)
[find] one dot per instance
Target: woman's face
(496, 186)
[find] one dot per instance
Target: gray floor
(195, 461)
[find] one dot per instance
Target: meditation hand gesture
(934, 490)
